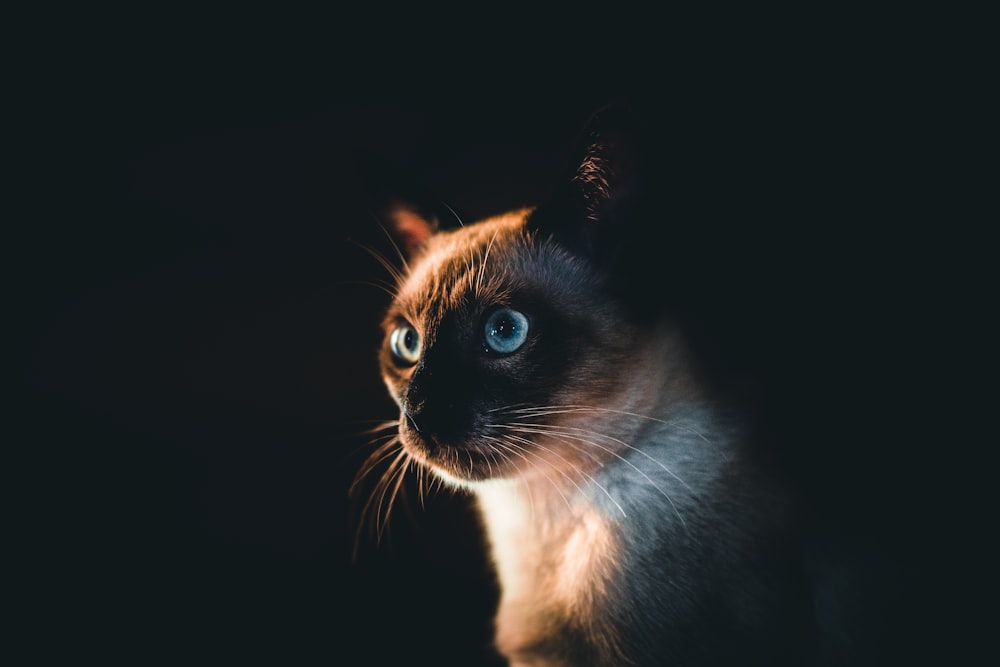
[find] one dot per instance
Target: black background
(199, 349)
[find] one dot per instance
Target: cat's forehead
(454, 264)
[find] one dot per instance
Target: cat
(541, 362)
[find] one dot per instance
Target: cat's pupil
(505, 328)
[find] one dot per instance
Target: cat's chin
(464, 466)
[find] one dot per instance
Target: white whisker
(617, 441)
(397, 468)
(396, 273)
(541, 411)
(376, 458)
(477, 289)
(452, 211)
(507, 442)
(383, 286)
(390, 268)
(568, 438)
(560, 456)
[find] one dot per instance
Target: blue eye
(404, 341)
(506, 330)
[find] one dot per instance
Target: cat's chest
(548, 549)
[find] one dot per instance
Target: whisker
(617, 441)
(384, 482)
(541, 411)
(380, 518)
(569, 438)
(380, 425)
(512, 439)
(575, 468)
(477, 291)
(385, 263)
(452, 211)
(421, 481)
(395, 246)
(381, 285)
(375, 459)
(365, 515)
(400, 476)
(521, 451)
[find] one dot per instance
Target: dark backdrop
(201, 328)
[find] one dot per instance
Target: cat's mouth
(461, 461)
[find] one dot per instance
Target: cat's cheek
(394, 393)
(410, 440)
(413, 443)
(414, 447)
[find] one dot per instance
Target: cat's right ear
(405, 208)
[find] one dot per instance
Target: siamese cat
(630, 514)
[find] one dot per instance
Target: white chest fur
(555, 556)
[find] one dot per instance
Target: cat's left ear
(593, 202)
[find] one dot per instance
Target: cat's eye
(404, 342)
(506, 330)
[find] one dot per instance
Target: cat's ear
(592, 202)
(406, 209)
(410, 227)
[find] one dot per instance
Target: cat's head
(514, 345)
